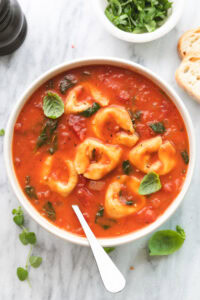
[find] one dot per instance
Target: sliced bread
(188, 74)
(189, 42)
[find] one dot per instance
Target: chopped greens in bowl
(138, 16)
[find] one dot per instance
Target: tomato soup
(107, 139)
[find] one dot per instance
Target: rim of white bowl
(81, 63)
(169, 24)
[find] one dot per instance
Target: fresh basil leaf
(185, 156)
(158, 127)
(126, 167)
(2, 132)
(109, 249)
(166, 242)
(49, 211)
(22, 274)
(53, 106)
(150, 184)
(30, 192)
(35, 261)
(91, 110)
(99, 213)
(66, 83)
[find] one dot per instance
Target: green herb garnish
(30, 192)
(109, 249)
(158, 127)
(99, 213)
(137, 16)
(66, 83)
(150, 184)
(185, 156)
(126, 167)
(26, 238)
(53, 105)
(129, 202)
(91, 110)
(166, 242)
(49, 211)
(48, 135)
(2, 132)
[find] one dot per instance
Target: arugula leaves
(49, 211)
(91, 110)
(185, 156)
(158, 127)
(166, 242)
(150, 184)
(137, 16)
(26, 237)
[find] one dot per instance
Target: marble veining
(59, 31)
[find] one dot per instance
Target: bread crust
(188, 75)
(192, 36)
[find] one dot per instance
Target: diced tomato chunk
(84, 195)
(144, 130)
(147, 215)
(18, 127)
(155, 202)
(124, 96)
(77, 123)
(168, 187)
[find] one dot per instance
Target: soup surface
(117, 127)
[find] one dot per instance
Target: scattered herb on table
(53, 105)
(2, 132)
(67, 82)
(158, 127)
(166, 242)
(185, 156)
(91, 110)
(27, 238)
(48, 135)
(126, 167)
(49, 211)
(109, 249)
(138, 16)
(150, 184)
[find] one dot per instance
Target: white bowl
(170, 23)
(26, 203)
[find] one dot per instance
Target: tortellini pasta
(73, 105)
(114, 207)
(141, 155)
(124, 133)
(62, 188)
(94, 159)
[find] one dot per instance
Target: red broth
(122, 87)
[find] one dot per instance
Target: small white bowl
(170, 23)
(26, 203)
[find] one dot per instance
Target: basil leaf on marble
(53, 105)
(22, 274)
(2, 132)
(166, 242)
(150, 184)
(109, 249)
(19, 216)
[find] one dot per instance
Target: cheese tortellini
(141, 155)
(124, 133)
(56, 185)
(114, 207)
(74, 105)
(94, 159)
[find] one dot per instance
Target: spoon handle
(112, 278)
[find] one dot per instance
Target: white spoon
(112, 278)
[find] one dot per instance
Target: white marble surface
(68, 271)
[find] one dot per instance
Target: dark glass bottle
(13, 26)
